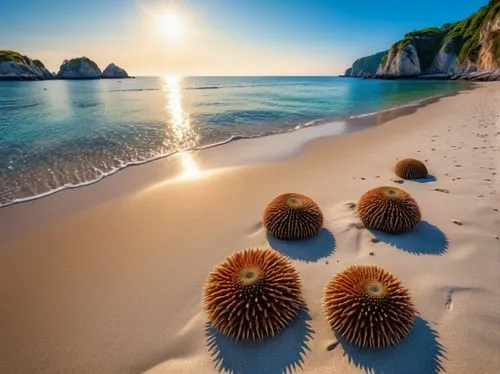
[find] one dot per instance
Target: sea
(62, 134)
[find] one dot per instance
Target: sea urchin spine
(252, 294)
(293, 216)
(368, 307)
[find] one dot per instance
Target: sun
(170, 25)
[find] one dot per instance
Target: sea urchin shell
(293, 216)
(368, 307)
(252, 294)
(410, 168)
(389, 209)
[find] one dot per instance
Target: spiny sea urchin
(368, 307)
(410, 168)
(293, 216)
(389, 209)
(252, 294)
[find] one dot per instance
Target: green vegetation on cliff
(8, 55)
(464, 35)
(75, 63)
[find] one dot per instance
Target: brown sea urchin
(410, 168)
(293, 216)
(389, 209)
(368, 307)
(252, 294)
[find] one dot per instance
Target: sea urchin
(410, 168)
(368, 307)
(389, 209)
(252, 294)
(293, 216)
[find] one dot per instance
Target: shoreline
(56, 204)
(117, 287)
(363, 120)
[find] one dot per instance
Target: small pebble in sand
(378, 176)
(363, 178)
(351, 205)
(458, 166)
(372, 254)
(400, 181)
(480, 195)
(456, 222)
(374, 240)
(326, 262)
(495, 209)
(497, 237)
(441, 190)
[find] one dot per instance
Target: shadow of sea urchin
(252, 294)
(368, 307)
(389, 209)
(293, 216)
(410, 168)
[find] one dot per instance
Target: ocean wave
(134, 89)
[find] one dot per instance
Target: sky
(218, 37)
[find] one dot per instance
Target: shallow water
(58, 134)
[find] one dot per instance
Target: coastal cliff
(14, 65)
(365, 65)
(467, 49)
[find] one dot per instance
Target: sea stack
(114, 71)
(79, 68)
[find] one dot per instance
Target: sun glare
(170, 26)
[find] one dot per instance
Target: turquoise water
(57, 134)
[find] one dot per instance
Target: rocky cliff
(113, 71)
(365, 65)
(15, 66)
(79, 68)
(467, 49)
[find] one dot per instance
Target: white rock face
(114, 71)
(79, 68)
(443, 63)
(28, 71)
(401, 63)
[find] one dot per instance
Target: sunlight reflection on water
(186, 137)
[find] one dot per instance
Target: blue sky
(219, 37)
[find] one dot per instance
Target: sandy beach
(108, 278)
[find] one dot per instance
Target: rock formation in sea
(114, 71)
(467, 49)
(15, 66)
(79, 68)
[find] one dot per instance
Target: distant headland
(15, 66)
(467, 49)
